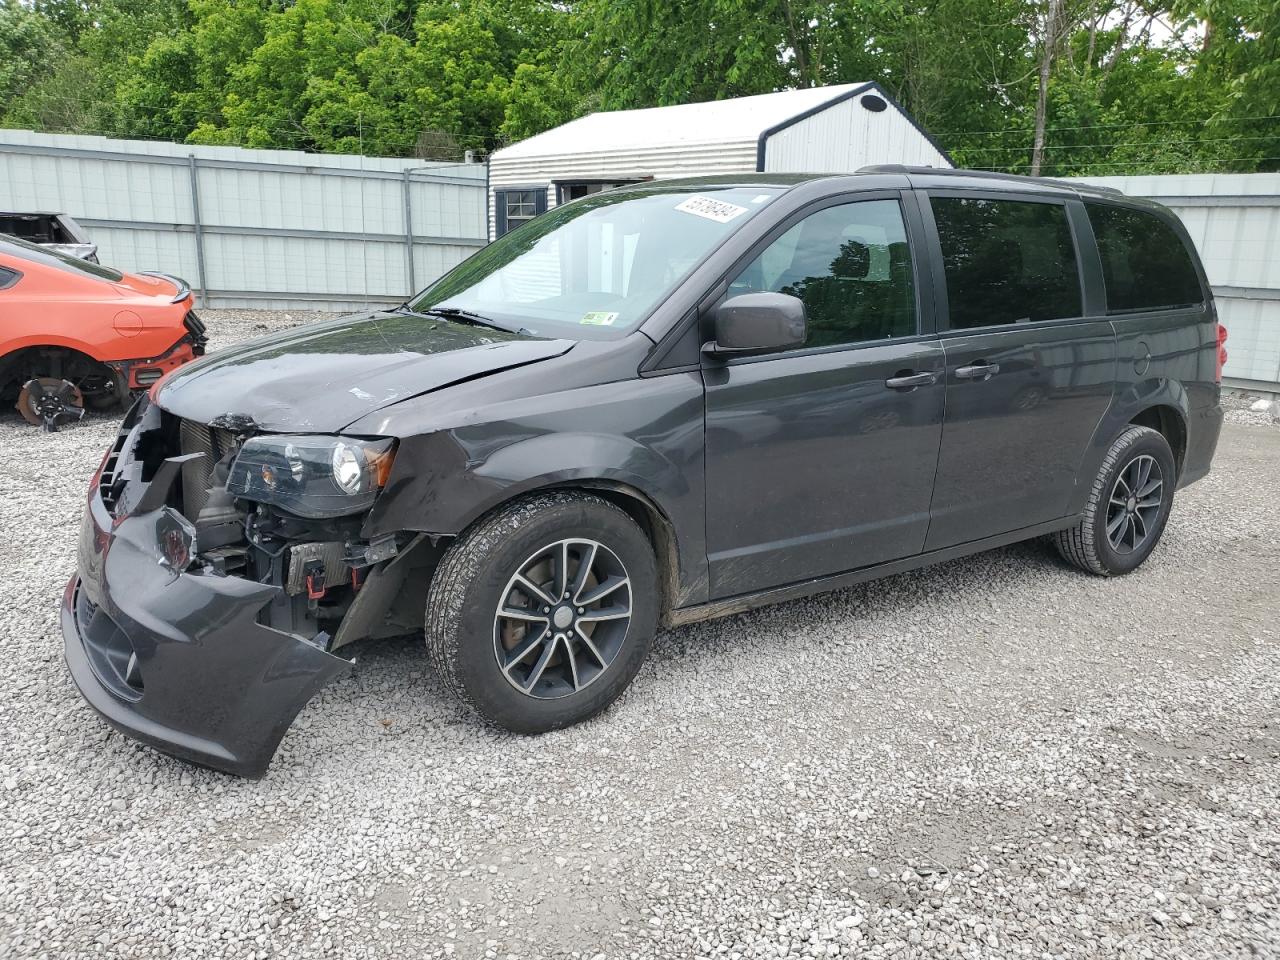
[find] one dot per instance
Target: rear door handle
(911, 381)
(977, 371)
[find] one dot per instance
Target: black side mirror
(757, 322)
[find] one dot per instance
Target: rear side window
(8, 277)
(1006, 261)
(1145, 264)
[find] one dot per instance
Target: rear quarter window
(8, 277)
(1145, 264)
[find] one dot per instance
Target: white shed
(833, 129)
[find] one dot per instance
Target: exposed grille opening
(108, 487)
(197, 475)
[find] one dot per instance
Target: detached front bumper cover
(180, 661)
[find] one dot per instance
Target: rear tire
(541, 613)
(1128, 506)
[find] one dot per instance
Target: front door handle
(977, 371)
(911, 381)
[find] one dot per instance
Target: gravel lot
(995, 757)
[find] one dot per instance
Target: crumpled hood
(322, 376)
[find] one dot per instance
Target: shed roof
(716, 121)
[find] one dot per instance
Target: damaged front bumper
(181, 661)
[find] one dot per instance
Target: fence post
(195, 213)
(408, 234)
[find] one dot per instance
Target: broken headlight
(312, 476)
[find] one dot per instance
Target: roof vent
(873, 103)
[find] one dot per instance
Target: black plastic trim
(806, 588)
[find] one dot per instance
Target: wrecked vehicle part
(109, 333)
(101, 385)
(53, 231)
(319, 378)
(191, 596)
(472, 447)
(43, 401)
(183, 660)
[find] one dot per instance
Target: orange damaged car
(90, 334)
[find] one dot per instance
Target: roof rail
(982, 175)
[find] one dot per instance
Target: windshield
(599, 264)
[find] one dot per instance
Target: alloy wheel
(562, 618)
(1134, 507)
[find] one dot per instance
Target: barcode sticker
(710, 209)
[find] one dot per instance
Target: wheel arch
(1159, 403)
(648, 515)
(652, 521)
(1171, 423)
(73, 351)
(51, 341)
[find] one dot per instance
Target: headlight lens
(312, 476)
(348, 469)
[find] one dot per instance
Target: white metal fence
(255, 228)
(1234, 219)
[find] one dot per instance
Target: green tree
(30, 48)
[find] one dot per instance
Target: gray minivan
(670, 401)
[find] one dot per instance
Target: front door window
(851, 265)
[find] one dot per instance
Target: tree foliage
(1105, 86)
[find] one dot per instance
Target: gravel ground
(997, 757)
(1238, 405)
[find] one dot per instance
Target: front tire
(540, 614)
(1128, 506)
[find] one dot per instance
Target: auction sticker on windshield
(710, 209)
(599, 318)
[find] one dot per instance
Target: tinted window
(1145, 264)
(1006, 261)
(851, 266)
(8, 277)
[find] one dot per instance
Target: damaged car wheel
(541, 614)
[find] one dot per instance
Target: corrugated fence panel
(166, 251)
(275, 227)
(1234, 220)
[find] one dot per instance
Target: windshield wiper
(463, 316)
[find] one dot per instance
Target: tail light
(1222, 353)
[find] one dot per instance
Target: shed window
(568, 190)
(514, 207)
